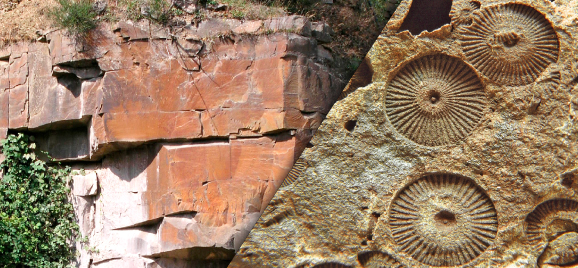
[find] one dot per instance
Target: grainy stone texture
(178, 142)
(374, 192)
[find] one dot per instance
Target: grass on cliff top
(77, 16)
(356, 23)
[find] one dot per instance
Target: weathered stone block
(296, 24)
(67, 50)
(309, 87)
(55, 102)
(4, 74)
(248, 27)
(321, 31)
(134, 30)
(91, 97)
(121, 127)
(18, 107)
(85, 185)
(4, 112)
(18, 70)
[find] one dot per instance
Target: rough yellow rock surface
(462, 151)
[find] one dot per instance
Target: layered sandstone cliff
(179, 138)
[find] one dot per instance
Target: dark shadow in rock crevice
(203, 255)
(72, 83)
(426, 15)
(127, 164)
(66, 144)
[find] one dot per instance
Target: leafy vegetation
(77, 16)
(252, 9)
(159, 11)
(37, 222)
(382, 9)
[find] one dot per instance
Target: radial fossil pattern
(298, 168)
(461, 12)
(443, 220)
(435, 100)
(511, 44)
(551, 219)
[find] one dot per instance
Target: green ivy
(37, 221)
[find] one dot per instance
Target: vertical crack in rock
(426, 15)
(435, 100)
(511, 44)
(443, 220)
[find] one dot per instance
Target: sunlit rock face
(179, 139)
(452, 146)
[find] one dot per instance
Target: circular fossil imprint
(443, 220)
(461, 12)
(551, 219)
(511, 44)
(553, 223)
(435, 100)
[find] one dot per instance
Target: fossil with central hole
(511, 44)
(443, 220)
(435, 100)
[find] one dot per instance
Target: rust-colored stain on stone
(179, 141)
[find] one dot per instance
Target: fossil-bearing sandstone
(452, 146)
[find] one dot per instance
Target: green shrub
(237, 14)
(37, 222)
(159, 11)
(383, 10)
(77, 16)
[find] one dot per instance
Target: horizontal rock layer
(178, 139)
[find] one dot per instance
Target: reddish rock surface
(182, 142)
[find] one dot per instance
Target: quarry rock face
(454, 145)
(179, 140)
